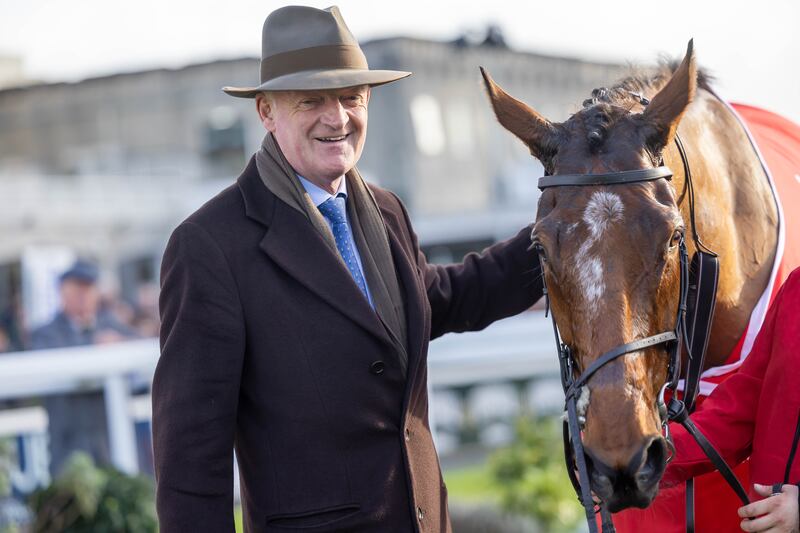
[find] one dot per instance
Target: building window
(426, 115)
(460, 133)
(224, 140)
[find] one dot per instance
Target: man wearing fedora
(297, 310)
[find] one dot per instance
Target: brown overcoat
(268, 346)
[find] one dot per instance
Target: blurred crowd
(86, 315)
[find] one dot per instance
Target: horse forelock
(642, 82)
(628, 95)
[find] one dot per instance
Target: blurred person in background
(12, 329)
(296, 313)
(145, 319)
(81, 320)
(77, 421)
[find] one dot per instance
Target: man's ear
(265, 108)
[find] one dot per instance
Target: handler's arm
(727, 416)
(196, 385)
(501, 281)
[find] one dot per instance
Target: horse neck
(735, 214)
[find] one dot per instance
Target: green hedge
(532, 478)
(87, 499)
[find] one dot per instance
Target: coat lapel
(293, 243)
(416, 312)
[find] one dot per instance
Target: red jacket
(754, 412)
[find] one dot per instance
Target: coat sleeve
(502, 281)
(196, 385)
(727, 417)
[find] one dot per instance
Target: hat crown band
(327, 57)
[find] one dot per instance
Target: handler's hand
(777, 514)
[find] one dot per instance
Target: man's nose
(334, 115)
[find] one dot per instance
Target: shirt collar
(319, 195)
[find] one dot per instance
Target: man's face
(321, 133)
(80, 300)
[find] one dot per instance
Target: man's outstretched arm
(503, 280)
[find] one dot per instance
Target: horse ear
(666, 108)
(530, 127)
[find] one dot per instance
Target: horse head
(610, 256)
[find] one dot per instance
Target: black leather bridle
(698, 284)
(671, 340)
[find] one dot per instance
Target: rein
(698, 285)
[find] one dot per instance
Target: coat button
(377, 367)
(420, 513)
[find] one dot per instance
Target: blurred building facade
(109, 165)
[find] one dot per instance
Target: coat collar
(296, 246)
(259, 202)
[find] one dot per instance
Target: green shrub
(87, 499)
(532, 477)
(5, 467)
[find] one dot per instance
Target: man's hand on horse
(777, 512)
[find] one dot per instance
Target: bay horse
(610, 252)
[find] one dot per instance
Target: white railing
(43, 372)
(514, 349)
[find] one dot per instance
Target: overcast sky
(753, 47)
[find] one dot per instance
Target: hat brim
(311, 80)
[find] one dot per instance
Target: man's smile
(333, 139)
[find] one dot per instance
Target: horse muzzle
(635, 485)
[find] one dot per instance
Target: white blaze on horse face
(603, 209)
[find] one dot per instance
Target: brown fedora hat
(304, 48)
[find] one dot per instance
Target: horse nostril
(653, 465)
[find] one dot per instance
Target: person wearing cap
(77, 421)
(81, 321)
(296, 313)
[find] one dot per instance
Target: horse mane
(628, 92)
(643, 83)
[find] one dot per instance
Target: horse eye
(540, 250)
(677, 237)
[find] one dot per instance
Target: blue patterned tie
(334, 210)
